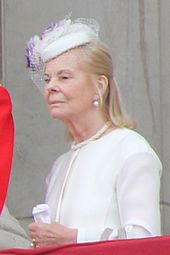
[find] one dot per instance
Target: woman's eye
(47, 80)
(64, 77)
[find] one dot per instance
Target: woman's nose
(52, 86)
(53, 90)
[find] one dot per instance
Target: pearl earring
(96, 102)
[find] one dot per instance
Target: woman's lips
(55, 103)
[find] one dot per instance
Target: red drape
(6, 142)
(144, 246)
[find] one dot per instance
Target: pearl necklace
(75, 146)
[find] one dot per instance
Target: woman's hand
(43, 234)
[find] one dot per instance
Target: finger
(32, 226)
(32, 236)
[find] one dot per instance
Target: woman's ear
(102, 84)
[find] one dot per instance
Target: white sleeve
(96, 234)
(138, 194)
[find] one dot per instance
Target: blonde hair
(98, 61)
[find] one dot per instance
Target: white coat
(108, 188)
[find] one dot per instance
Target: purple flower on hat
(29, 52)
(32, 57)
(53, 27)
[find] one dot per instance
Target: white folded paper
(41, 213)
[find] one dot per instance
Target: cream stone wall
(138, 34)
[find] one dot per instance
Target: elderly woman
(107, 185)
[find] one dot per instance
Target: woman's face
(69, 91)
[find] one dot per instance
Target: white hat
(57, 39)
